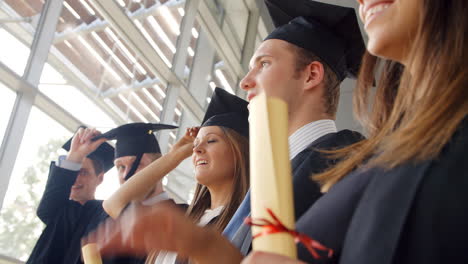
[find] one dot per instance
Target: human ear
(314, 75)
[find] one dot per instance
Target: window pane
(17, 60)
(90, 62)
(232, 17)
(19, 226)
(54, 85)
(7, 100)
(19, 22)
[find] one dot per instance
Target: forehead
(273, 47)
(204, 131)
(87, 164)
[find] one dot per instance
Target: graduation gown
(415, 213)
(327, 220)
(306, 191)
(66, 222)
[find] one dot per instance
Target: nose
(199, 149)
(79, 179)
(247, 82)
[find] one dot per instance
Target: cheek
(271, 81)
(391, 35)
(193, 159)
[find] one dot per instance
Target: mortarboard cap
(330, 32)
(104, 154)
(135, 138)
(229, 111)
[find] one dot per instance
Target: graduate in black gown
(136, 147)
(334, 41)
(406, 201)
(68, 206)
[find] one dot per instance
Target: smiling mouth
(375, 10)
(201, 163)
(78, 186)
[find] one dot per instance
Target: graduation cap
(135, 139)
(330, 32)
(229, 111)
(103, 154)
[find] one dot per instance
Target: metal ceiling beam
(82, 29)
(77, 79)
(99, 25)
(42, 101)
(24, 101)
(218, 38)
(23, 32)
(178, 91)
(126, 29)
(113, 92)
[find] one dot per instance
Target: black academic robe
(308, 162)
(415, 213)
(66, 221)
(327, 220)
(63, 218)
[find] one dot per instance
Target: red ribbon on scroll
(269, 227)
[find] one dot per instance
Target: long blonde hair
(413, 116)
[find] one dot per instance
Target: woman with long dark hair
(406, 201)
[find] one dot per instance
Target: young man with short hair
(68, 203)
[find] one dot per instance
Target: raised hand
(185, 144)
(82, 144)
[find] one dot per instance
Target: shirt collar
(307, 134)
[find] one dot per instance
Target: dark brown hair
(412, 116)
(331, 93)
(98, 166)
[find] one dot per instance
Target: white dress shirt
(307, 134)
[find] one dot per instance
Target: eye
(120, 167)
(212, 141)
(264, 63)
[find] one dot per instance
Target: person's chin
(201, 179)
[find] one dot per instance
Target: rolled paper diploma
(91, 254)
(270, 172)
(140, 185)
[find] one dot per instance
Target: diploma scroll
(270, 172)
